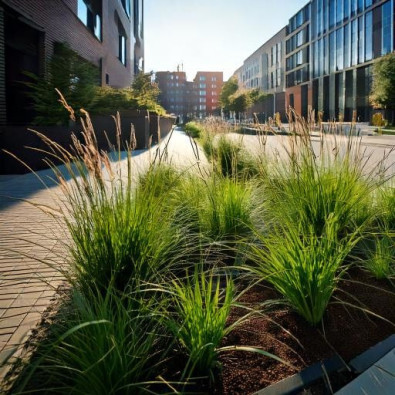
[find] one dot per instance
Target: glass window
(82, 12)
(339, 12)
(202, 93)
(360, 5)
(326, 55)
(347, 48)
(202, 78)
(346, 9)
(202, 85)
(213, 78)
(89, 15)
(339, 49)
(361, 34)
(368, 3)
(319, 17)
(332, 11)
(321, 56)
(354, 7)
(126, 6)
(325, 16)
(354, 42)
(386, 45)
(332, 52)
(368, 36)
(122, 49)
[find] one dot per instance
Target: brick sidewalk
(30, 239)
(27, 284)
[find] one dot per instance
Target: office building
(265, 69)
(331, 46)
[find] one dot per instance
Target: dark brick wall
(58, 19)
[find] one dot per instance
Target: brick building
(187, 98)
(107, 33)
(208, 85)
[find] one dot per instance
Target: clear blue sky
(210, 35)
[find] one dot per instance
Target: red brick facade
(208, 85)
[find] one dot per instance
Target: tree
(229, 88)
(382, 94)
(240, 101)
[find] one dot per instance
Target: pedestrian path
(32, 250)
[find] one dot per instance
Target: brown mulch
(348, 332)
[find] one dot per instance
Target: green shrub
(74, 77)
(378, 120)
(193, 129)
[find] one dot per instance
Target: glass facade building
(330, 48)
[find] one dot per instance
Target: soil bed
(349, 332)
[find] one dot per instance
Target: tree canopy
(237, 99)
(382, 94)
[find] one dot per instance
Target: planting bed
(349, 331)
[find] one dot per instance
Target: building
(323, 58)
(189, 99)
(208, 85)
(265, 69)
(173, 93)
(331, 46)
(107, 33)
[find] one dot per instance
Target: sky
(210, 35)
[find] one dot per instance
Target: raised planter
(15, 139)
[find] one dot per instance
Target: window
(339, 49)
(278, 75)
(90, 16)
(213, 78)
(213, 85)
(202, 107)
(332, 11)
(332, 52)
(354, 42)
(346, 9)
(202, 100)
(122, 49)
(368, 3)
(354, 7)
(202, 93)
(360, 5)
(272, 56)
(126, 6)
(339, 12)
(368, 36)
(361, 34)
(202, 78)
(386, 44)
(214, 93)
(347, 49)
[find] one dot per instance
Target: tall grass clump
(308, 187)
(201, 308)
(120, 236)
(317, 208)
(303, 266)
(97, 345)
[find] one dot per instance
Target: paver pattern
(32, 248)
